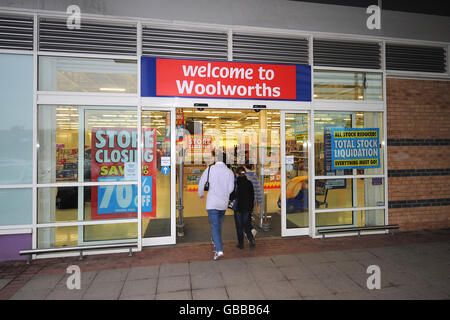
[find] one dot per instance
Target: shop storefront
(107, 132)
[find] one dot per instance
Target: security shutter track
(184, 44)
(415, 58)
(90, 38)
(347, 54)
(16, 33)
(270, 49)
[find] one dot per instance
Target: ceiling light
(113, 89)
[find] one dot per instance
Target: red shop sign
(213, 79)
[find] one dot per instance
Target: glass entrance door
(157, 177)
(294, 200)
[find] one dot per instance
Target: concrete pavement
(335, 269)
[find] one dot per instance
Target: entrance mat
(197, 229)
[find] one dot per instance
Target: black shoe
(240, 246)
(252, 244)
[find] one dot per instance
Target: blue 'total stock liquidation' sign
(357, 148)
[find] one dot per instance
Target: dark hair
(240, 171)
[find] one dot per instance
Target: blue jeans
(215, 221)
(242, 221)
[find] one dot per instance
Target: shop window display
(362, 150)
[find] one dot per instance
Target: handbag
(232, 204)
(206, 187)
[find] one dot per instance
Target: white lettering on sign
(217, 72)
(227, 72)
(108, 139)
(188, 87)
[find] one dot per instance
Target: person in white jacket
(221, 184)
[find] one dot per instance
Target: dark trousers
(242, 221)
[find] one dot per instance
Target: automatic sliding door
(158, 178)
(295, 191)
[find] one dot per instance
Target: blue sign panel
(357, 148)
(123, 198)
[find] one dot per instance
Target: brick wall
(418, 126)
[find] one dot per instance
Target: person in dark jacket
(245, 196)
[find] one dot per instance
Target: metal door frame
(295, 231)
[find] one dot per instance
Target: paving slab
(297, 272)
(43, 282)
(4, 283)
(139, 273)
(61, 293)
(111, 275)
(286, 261)
(104, 290)
(309, 287)
(179, 295)
(172, 270)
(196, 268)
(171, 284)
(31, 294)
(279, 290)
(237, 278)
(141, 287)
(268, 275)
(245, 292)
(207, 281)
(210, 294)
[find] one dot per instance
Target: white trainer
(218, 255)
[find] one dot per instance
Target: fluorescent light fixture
(212, 117)
(113, 89)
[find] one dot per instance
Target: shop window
(70, 236)
(357, 218)
(368, 148)
(79, 144)
(87, 75)
(349, 143)
(344, 85)
(16, 122)
(16, 206)
(59, 151)
(348, 193)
